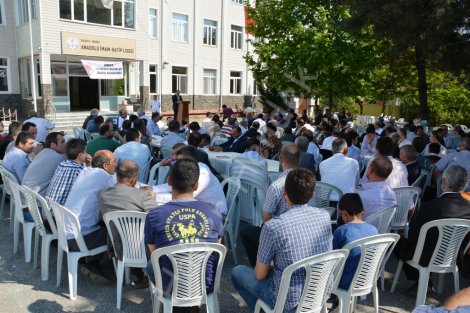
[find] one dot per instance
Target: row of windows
(179, 80)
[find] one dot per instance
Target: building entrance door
(84, 93)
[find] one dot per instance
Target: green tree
(300, 48)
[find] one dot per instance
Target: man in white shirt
(41, 170)
(123, 116)
(260, 120)
(339, 170)
(376, 194)
(43, 125)
(403, 138)
(83, 200)
(330, 136)
(209, 189)
(16, 161)
(134, 150)
(156, 104)
(399, 175)
(369, 142)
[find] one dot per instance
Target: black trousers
(250, 239)
(175, 110)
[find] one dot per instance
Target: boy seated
(352, 210)
(434, 150)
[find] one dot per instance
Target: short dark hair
(307, 134)
(287, 130)
(351, 203)
(52, 138)
(381, 166)
(132, 134)
(74, 147)
(155, 114)
(99, 119)
(14, 128)
(402, 131)
(370, 129)
(139, 124)
(194, 126)
(419, 143)
(434, 147)
(239, 130)
(126, 124)
(104, 128)
(299, 186)
(23, 138)
(26, 126)
(206, 137)
(184, 175)
(128, 172)
(188, 152)
(194, 139)
(133, 117)
(290, 154)
(174, 126)
(385, 146)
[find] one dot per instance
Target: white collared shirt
(340, 171)
(377, 196)
(209, 189)
(397, 178)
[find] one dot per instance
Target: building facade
(194, 46)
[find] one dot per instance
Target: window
(255, 88)
(179, 79)
(153, 26)
(23, 14)
(235, 83)
(93, 11)
(209, 81)
(237, 1)
(4, 76)
(112, 87)
(236, 41)
(210, 33)
(180, 27)
(153, 78)
(2, 13)
(25, 77)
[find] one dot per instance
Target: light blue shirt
(377, 196)
(134, 151)
(17, 162)
(152, 128)
(170, 140)
(455, 158)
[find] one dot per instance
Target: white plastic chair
(34, 201)
(232, 219)
(189, 282)
(130, 228)
(144, 172)
(219, 140)
(166, 152)
(273, 176)
(322, 196)
(375, 251)
(382, 219)
(2, 204)
(320, 270)
(76, 132)
(160, 177)
(407, 198)
(19, 218)
(6, 191)
(443, 260)
(61, 213)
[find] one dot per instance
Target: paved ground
(21, 288)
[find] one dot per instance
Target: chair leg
(36, 248)
(60, 257)
(440, 279)
(375, 295)
(45, 249)
(12, 213)
(456, 279)
(382, 279)
(127, 270)
(16, 235)
(2, 204)
(344, 303)
(397, 275)
(422, 286)
(119, 278)
(212, 303)
(72, 265)
(27, 241)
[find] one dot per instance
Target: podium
(183, 111)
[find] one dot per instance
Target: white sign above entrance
(103, 69)
(98, 46)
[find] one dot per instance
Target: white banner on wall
(103, 69)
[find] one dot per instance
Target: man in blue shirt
(16, 161)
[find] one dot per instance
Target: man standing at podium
(177, 99)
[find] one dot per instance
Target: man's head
(14, 129)
(30, 128)
(205, 140)
(208, 114)
(174, 126)
(105, 160)
(140, 112)
(127, 172)
(184, 176)
(156, 117)
(194, 126)
(465, 144)
(99, 119)
(106, 130)
(25, 141)
(370, 132)
(302, 142)
(408, 154)
(379, 169)
(385, 146)
(231, 121)
(289, 156)
(76, 150)
(339, 145)
(132, 134)
(455, 179)
(33, 113)
(236, 131)
(419, 131)
(434, 148)
(56, 142)
(123, 113)
(402, 133)
(224, 106)
(186, 153)
(194, 139)
(177, 92)
(350, 206)
(300, 185)
(444, 130)
(419, 144)
(94, 112)
(155, 97)
(255, 125)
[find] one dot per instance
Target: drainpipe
(222, 43)
(31, 50)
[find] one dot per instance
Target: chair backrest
(189, 283)
(323, 192)
(166, 152)
(418, 180)
(233, 187)
(382, 219)
(76, 132)
(407, 197)
(452, 232)
(144, 172)
(374, 251)
(3, 173)
(130, 229)
(273, 176)
(87, 135)
(34, 202)
(160, 177)
(62, 216)
(218, 140)
(320, 270)
(14, 187)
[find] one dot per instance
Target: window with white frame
(24, 65)
(209, 78)
(180, 27)
(179, 79)
(237, 1)
(153, 78)
(236, 39)
(2, 13)
(255, 88)
(153, 25)
(23, 14)
(4, 75)
(235, 83)
(92, 11)
(210, 33)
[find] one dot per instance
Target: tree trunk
(330, 99)
(422, 84)
(383, 106)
